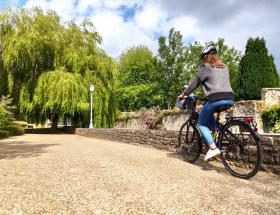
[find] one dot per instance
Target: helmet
(209, 49)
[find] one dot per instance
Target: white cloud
(118, 34)
(66, 9)
(233, 20)
(150, 17)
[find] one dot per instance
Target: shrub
(13, 130)
(272, 116)
(123, 116)
(21, 124)
(276, 127)
(4, 134)
(150, 117)
(5, 110)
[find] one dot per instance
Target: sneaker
(212, 153)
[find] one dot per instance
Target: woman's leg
(206, 117)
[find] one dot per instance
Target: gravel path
(69, 174)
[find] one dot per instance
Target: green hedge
(4, 134)
(13, 130)
(272, 116)
(21, 124)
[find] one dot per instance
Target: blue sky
(125, 23)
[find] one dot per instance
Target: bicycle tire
(189, 142)
(233, 162)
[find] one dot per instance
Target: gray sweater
(215, 83)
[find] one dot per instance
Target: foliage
(276, 127)
(13, 130)
(229, 55)
(21, 124)
(149, 117)
(123, 116)
(4, 134)
(6, 109)
(170, 66)
(136, 85)
(134, 97)
(257, 70)
(272, 116)
(60, 92)
(33, 43)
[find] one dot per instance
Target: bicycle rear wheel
(242, 153)
(189, 142)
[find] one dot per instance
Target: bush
(123, 116)
(13, 130)
(4, 134)
(276, 127)
(150, 117)
(3, 116)
(21, 124)
(272, 116)
(5, 110)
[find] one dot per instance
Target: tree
(257, 70)
(6, 111)
(137, 86)
(229, 55)
(170, 66)
(33, 42)
(59, 93)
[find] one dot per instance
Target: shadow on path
(22, 149)
(206, 166)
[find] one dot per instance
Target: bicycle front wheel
(242, 153)
(189, 142)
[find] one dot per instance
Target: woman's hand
(181, 97)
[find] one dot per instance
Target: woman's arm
(194, 84)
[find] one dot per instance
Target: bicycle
(237, 139)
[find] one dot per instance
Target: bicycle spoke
(189, 142)
(240, 150)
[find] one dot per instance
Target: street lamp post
(91, 89)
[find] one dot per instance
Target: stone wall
(270, 96)
(253, 108)
(167, 140)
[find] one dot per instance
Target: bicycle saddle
(222, 108)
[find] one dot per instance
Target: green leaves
(272, 116)
(170, 66)
(136, 79)
(48, 66)
(6, 109)
(61, 92)
(257, 70)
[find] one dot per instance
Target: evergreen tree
(257, 70)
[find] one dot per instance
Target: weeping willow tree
(34, 43)
(60, 93)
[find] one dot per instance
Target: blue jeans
(206, 118)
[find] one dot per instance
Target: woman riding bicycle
(213, 75)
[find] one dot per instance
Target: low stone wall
(64, 130)
(167, 140)
(254, 108)
(270, 96)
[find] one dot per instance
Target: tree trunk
(54, 121)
